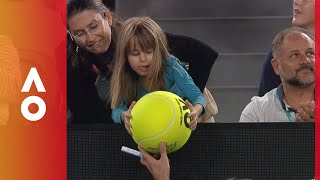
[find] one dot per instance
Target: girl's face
(140, 61)
(91, 31)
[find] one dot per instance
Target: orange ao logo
(33, 76)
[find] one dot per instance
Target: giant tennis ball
(157, 117)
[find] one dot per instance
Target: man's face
(295, 60)
(303, 13)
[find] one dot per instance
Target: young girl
(142, 65)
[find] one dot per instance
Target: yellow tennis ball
(160, 117)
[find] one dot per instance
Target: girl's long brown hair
(125, 83)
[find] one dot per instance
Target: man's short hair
(278, 40)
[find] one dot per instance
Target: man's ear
(275, 65)
(108, 15)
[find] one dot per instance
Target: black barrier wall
(214, 151)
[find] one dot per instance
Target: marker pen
(131, 151)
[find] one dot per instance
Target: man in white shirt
(293, 100)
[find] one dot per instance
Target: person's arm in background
(10, 77)
(159, 168)
(269, 79)
(199, 56)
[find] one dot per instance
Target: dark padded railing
(214, 151)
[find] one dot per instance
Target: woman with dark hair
(92, 34)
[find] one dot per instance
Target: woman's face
(91, 31)
(303, 13)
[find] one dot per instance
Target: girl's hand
(195, 111)
(126, 117)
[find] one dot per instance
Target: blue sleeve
(269, 79)
(184, 83)
(116, 112)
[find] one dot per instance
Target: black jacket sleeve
(269, 79)
(84, 104)
(198, 54)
